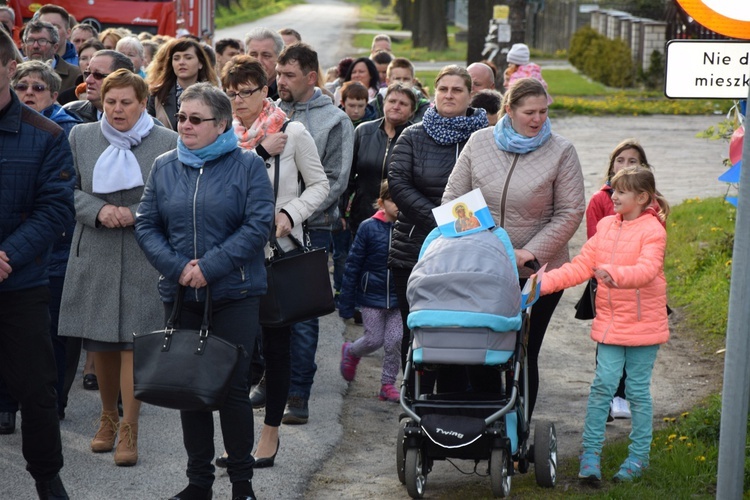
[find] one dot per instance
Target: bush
(653, 77)
(601, 59)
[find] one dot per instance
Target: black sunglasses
(244, 94)
(95, 74)
(195, 120)
(23, 87)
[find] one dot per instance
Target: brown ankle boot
(104, 440)
(126, 453)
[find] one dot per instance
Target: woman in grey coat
(110, 288)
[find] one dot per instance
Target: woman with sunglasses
(256, 119)
(109, 290)
(203, 222)
(178, 64)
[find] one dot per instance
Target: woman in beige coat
(533, 185)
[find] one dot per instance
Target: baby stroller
(466, 309)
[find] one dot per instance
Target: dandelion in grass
(700, 458)
(672, 437)
(728, 263)
(666, 419)
(714, 229)
(689, 445)
(683, 438)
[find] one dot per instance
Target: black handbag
(586, 306)
(184, 369)
(299, 287)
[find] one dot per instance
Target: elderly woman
(373, 145)
(37, 85)
(533, 185)
(420, 166)
(256, 119)
(109, 290)
(132, 47)
(178, 64)
(204, 220)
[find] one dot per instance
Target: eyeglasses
(42, 42)
(195, 120)
(23, 87)
(244, 94)
(95, 74)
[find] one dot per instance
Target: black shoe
(90, 383)
(262, 463)
(296, 412)
(52, 489)
(258, 394)
(7, 422)
(193, 492)
(243, 490)
(357, 317)
(221, 462)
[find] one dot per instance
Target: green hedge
(601, 59)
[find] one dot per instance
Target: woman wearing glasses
(109, 290)
(204, 219)
(178, 64)
(256, 121)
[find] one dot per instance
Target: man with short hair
(60, 19)
(265, 45)
(333, 133)
(7, 19)
(101, 65)
(40, 42)
(81, 33)
(401, 70)
(37, 200)
(382, 59)
(482, 77)
(380, 42)
(227, 48)
(290, 36)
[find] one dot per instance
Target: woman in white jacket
(258, 125)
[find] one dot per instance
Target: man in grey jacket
(297, 74)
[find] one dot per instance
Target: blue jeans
(304, 341)
(639, 362)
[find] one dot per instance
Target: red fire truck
(164, 17)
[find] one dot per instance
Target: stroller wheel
(415, 473)
(400, 454)
(499, 478)
(545, 454)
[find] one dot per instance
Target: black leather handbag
(184, 369)
(586, 306)
(299, 287)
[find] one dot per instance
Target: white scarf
(117, 169)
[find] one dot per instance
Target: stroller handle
(532, 264)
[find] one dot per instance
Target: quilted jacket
(539, 201)
(36, 193)
(417, 175)
(632, 252)
(372, 154)
(367, 281)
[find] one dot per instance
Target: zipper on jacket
(385, 157)
(638, 302)
(609, 293)
(505, 190)
(195, 223)
(388, 273)
(242, 273)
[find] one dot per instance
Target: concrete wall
(644, 36)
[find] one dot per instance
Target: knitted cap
(519, 54)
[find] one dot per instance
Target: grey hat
(519, 54)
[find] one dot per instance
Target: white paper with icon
(530, 292)
(464, 215)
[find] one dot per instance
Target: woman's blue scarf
(196, 158)
(447, 131)
(511, 141)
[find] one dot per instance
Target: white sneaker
(620, 408)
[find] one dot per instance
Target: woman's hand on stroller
(525, 258)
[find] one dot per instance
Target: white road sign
(707, 69)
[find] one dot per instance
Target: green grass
(250, 10)
(403, 48)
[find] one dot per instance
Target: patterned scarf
(269, 121)
(447, 131)
(507, 139)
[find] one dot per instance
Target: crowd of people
(147, 168)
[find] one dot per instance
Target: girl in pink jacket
(626, 255)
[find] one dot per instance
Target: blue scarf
(196, 158)
(511, 141)
(447, 131)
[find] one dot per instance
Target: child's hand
(604, 277)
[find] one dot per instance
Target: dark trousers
(27, 365)
(541, 313)
(277, 353)
(235, 321)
